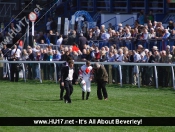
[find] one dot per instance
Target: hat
(167, 47)
(155, 48)
(140, 46)
(120, 24)
(147, 50)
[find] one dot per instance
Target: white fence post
(156, 77)
(55, 68)
(120, 72)
(8, 67)
(172, 70)
(24, 72)
(138, 76)
(39, 67)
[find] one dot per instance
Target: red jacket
(75, 48)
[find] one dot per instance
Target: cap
(155, 48)
(96, 65)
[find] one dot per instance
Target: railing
(96, 16)
(149, 43)
(127, 20)
(120, 64)
(110, 20)
(168, 18)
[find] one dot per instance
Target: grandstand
(108, 12)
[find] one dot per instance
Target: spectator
(56, 56)
(165, 38)
(59, 41)
(52, 37)
(137, 58)
(65, 40)
(170, 25)
(82, 41)
(97, 54)
(150, 16)
(72, 38)
(75, 56)
(141, 18)
(48, 27)
(24, 55)
(84, 55)
(41, 38)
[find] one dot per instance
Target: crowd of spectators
(148, 43)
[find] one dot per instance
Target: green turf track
(32, 99)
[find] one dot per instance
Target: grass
(32, 99)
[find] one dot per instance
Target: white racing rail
(155, 65)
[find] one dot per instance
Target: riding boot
(87, 95)
(83, 95)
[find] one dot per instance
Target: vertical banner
(66, 26)
(59, 25)
(73, 22)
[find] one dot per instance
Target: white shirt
(120, 58)
(18, 52)
(59, 41)
(70, 74)
(137, 57)
(105, 36)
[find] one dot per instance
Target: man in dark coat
(59, 76)
(101, 77)
(71, 38)
(67, 75)
(82, 41)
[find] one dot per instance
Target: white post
(156, 77)
(59, 25)
(32, 28)
(24, 72)
(55, 68)
(138, 76)
(73, 22)
(120, 72)
(172, 70)
(66, 26)
(39, 67)
(9, 71)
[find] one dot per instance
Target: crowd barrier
(120, 64)
(131, 44)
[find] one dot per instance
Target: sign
(32, 17)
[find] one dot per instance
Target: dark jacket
(65, 72)
(151, 59)
(82, 40)
(101, 74)
(71, 39)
